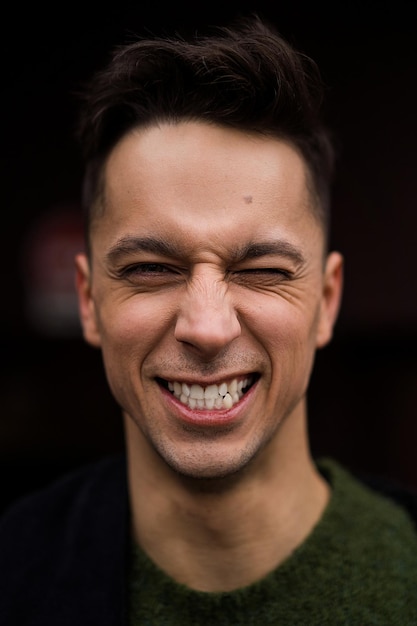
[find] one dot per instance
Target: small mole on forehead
(248, 199)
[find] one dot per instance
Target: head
(246, 77)
(207, 286)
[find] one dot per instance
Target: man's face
(207, 291)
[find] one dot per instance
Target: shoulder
(372, 515)
(404, 497)
(58, 540)
(369, 489)
(75, 493)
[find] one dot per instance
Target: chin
(214, 470)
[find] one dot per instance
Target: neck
(223, 534)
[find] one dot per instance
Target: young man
(208, 287)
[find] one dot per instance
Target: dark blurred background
(57, 412)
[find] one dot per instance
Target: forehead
(204, 180)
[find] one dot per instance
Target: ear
(86, 305)
(331, 298)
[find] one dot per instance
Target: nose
(207, 320)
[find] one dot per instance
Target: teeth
(222, 396)
(223, 389)
(212, 391)
(228, 401)
(196, 391)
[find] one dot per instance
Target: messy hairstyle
(244, 76)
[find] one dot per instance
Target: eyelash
(265, 270)
(146, 268)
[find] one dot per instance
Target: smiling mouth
(217, 397)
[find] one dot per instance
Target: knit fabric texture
(358, 567)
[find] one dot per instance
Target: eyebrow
(252, 250)
(276, 247)
(129, 244)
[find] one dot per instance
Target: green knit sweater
(358, 567)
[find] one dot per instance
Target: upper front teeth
(220, 396)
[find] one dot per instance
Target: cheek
(283, 325)
(134, 324)
(287, 334)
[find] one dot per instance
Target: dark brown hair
(245, 76)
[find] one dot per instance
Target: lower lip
(208, 418)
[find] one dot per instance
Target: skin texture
(207, 265)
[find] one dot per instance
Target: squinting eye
(150, 275)
(268, 271)
(146, 268)
(260, 277)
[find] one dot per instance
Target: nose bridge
(207, 318)
(207, 289)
